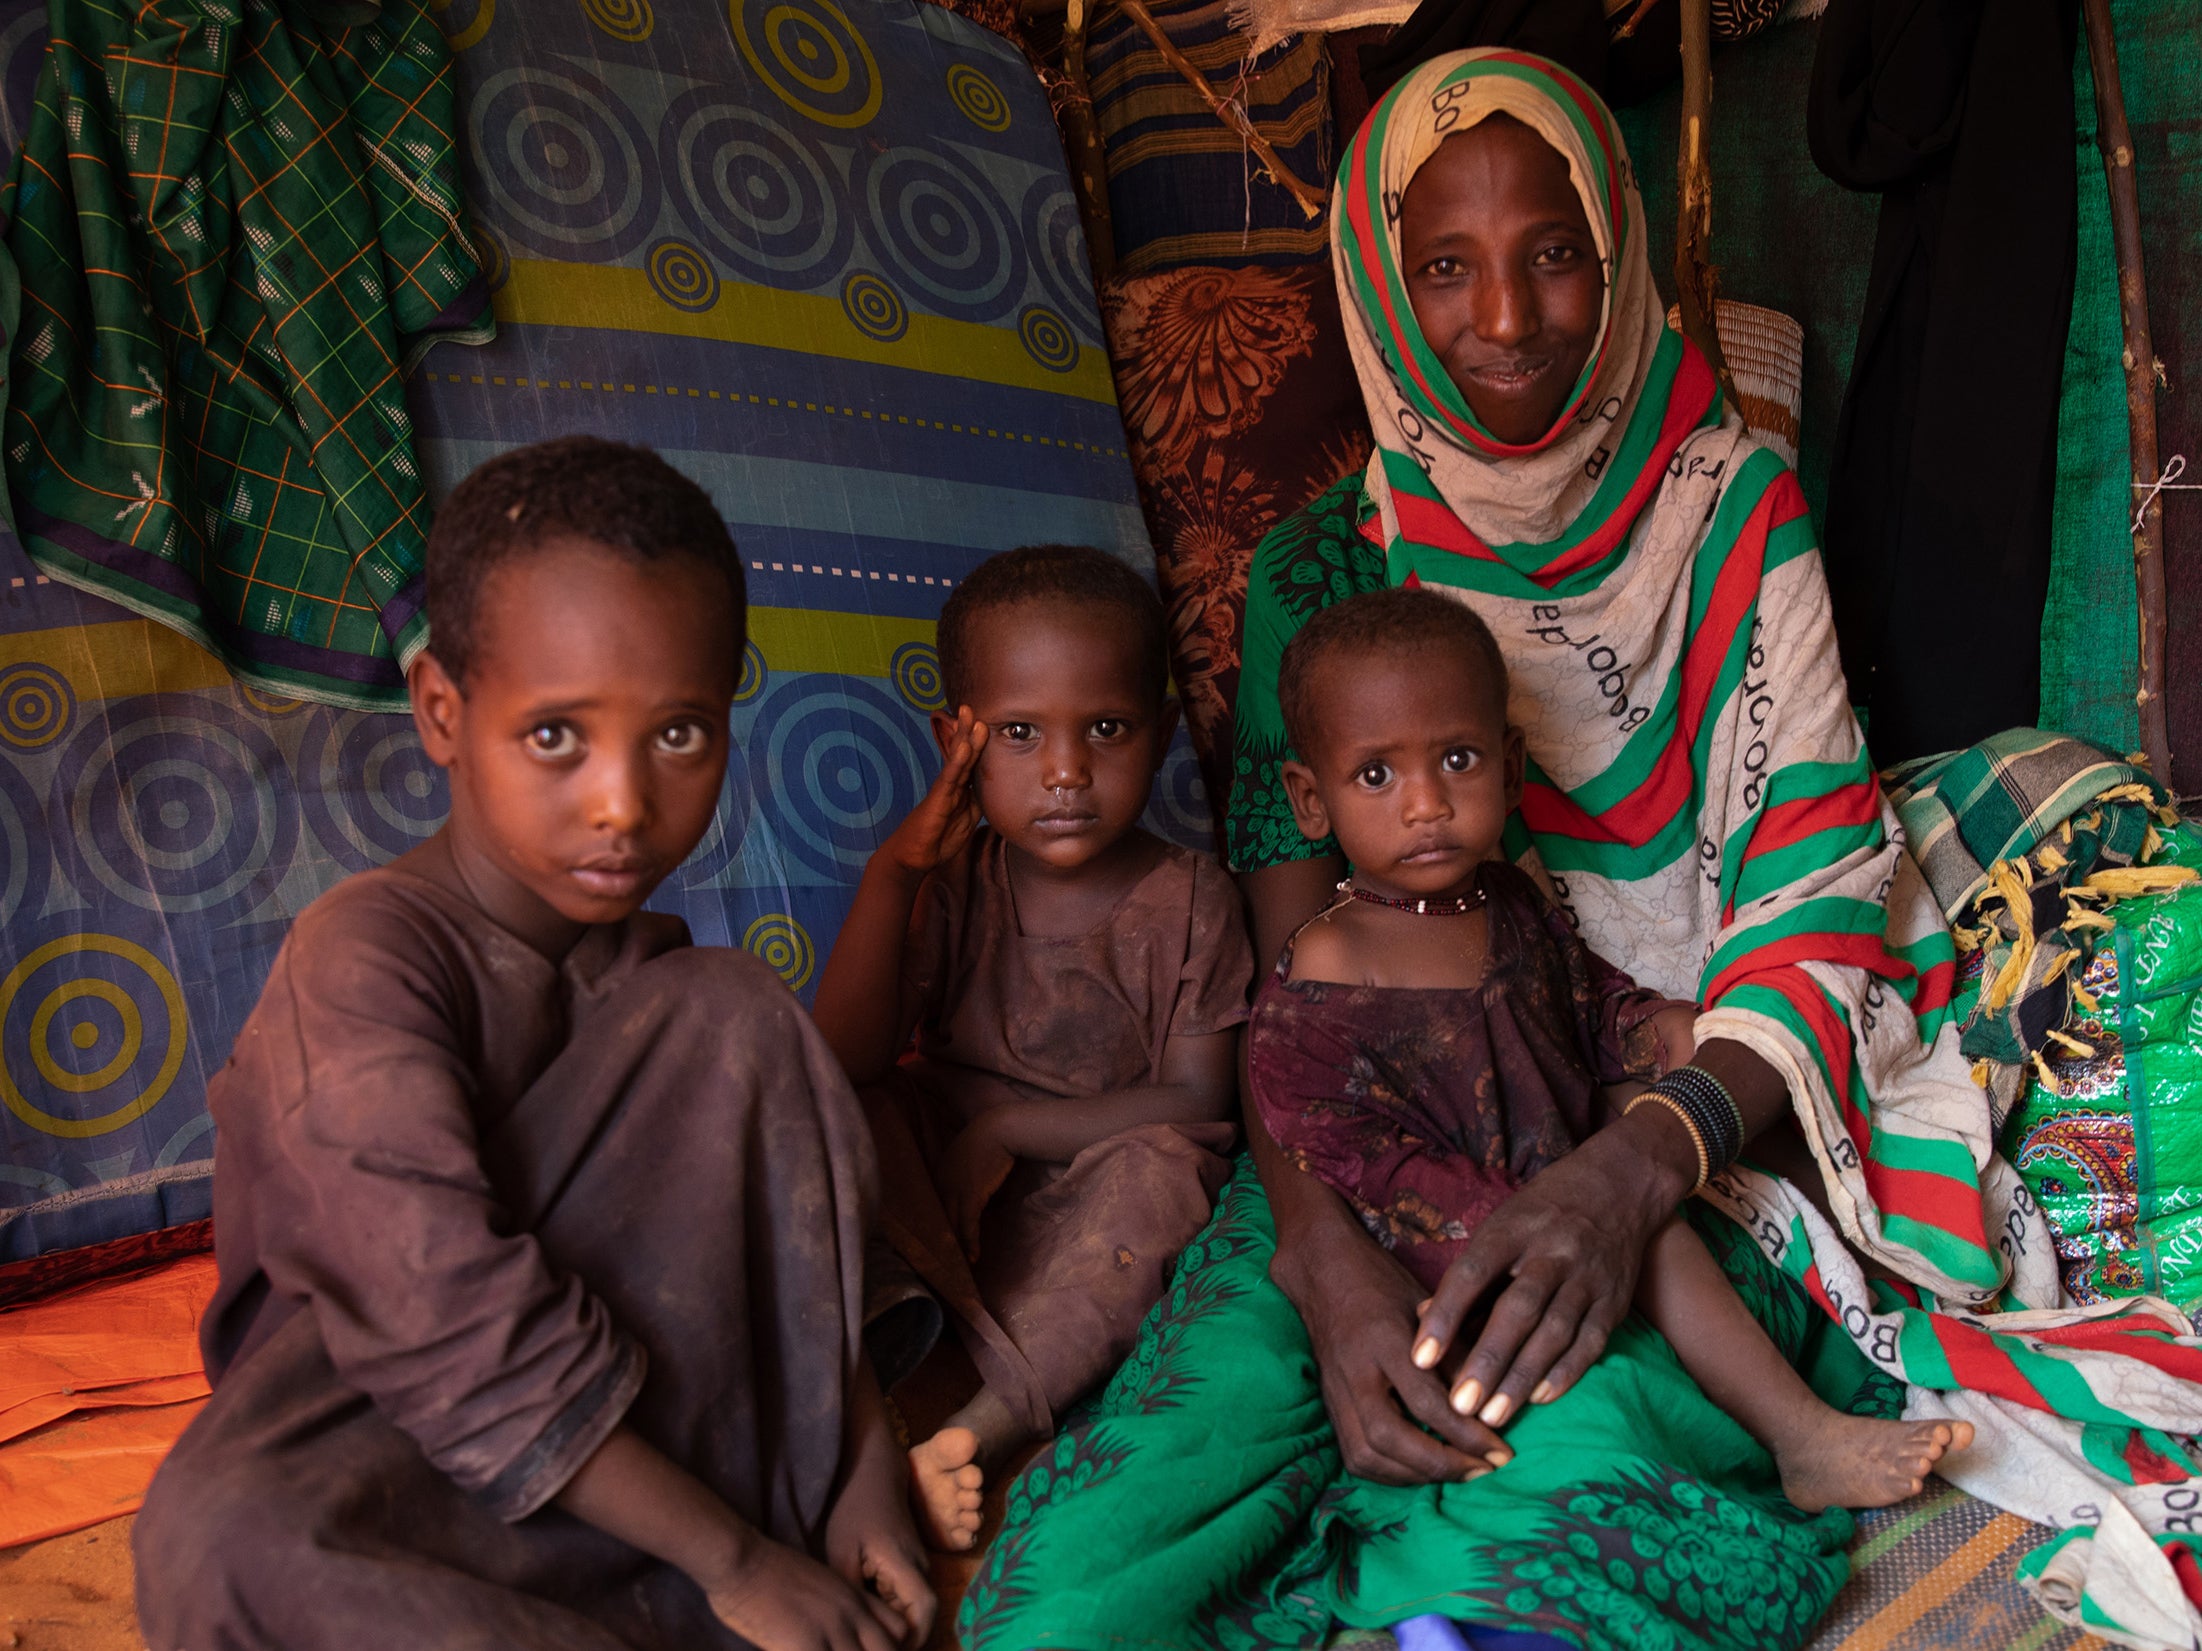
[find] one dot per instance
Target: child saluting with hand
(540, 1229)
(1074, 986)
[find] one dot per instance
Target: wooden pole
(1088, 160)
(2115, 139)
(1697, 282)
(1228, 110)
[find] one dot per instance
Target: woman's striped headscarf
(1562, 505)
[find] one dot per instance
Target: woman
(1700, 801)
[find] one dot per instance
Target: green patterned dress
(1200, 1502)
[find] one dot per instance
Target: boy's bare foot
(946, 1486)
(1863, 1462)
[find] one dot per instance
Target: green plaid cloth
(229, 219)
(2008, 798)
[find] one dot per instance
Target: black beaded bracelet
(1704, 1101)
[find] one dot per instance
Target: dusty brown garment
(1071, 1256)
(473, 1210)
(1425, 1107)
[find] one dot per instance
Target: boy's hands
(971, 1171)
(936, 831)
(780, 1600)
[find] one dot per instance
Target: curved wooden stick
(1227, 110)
(1082, 138)
(2115, 139)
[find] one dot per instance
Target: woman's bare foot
(946, 1487)
(1862, 1462)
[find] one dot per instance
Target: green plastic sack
(2114, 1152)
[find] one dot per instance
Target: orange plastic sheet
(95, 1386)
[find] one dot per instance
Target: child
(539, 1228)
(1436, 1037)
(1074, 985)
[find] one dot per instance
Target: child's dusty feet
(946, 1487)
(1863, 1462)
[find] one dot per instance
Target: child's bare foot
(946, 1486)
(1862, 1462)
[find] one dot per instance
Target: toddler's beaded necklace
(1458, 905)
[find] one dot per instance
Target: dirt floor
(70, 1594)
(75, 1592)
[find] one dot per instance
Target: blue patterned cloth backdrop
(824, 255)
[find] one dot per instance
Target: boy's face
(1414, 769)
(1074, 736)
(587, 749)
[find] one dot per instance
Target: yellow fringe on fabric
(2011, 880)
(2048, 1078)
(2010, 885)
(2124, 882)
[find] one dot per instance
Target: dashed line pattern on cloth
(516, 382)
(854, 573)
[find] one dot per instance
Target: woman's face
(1503, 274)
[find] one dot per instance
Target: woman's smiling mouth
(1511, 378)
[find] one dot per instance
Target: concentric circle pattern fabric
(823, 254)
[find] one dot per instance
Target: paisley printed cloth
(1701, 802)
(1239, 407)
(229, 220)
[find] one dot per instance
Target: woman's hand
(936, 831)
(971, 1171)
(1564, 1250)
(1359, 1306)
(1566, 1247)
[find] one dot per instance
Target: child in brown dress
(540, 1229)
(1439, 1035)
(1074, 986)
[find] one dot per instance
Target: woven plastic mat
(1930, 1574)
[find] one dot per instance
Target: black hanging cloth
(1960, 114)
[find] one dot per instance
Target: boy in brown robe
(1075, 986)
(540, 1229)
